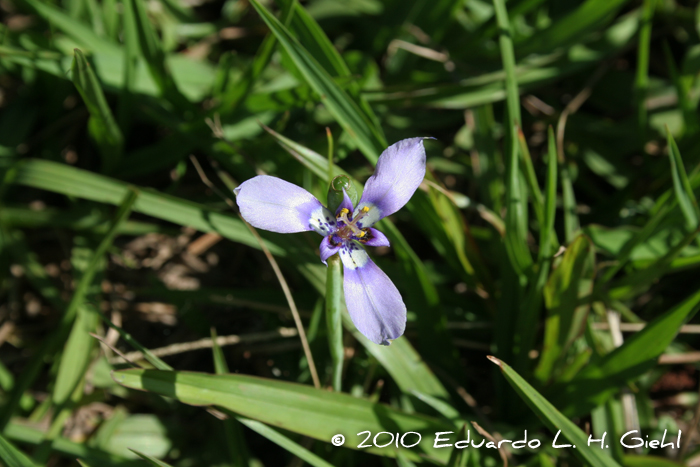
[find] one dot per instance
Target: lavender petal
(327, 249)
(400, 170)
(273, 204)
(376, 238)
(374, 303)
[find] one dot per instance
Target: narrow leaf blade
(554, 419)
(103, 127)
(303, 409)
(12, 456)
(342, 107)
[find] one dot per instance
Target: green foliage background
(558, 217)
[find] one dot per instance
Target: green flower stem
(334, 320)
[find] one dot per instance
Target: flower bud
(335, 192)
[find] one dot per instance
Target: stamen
(363, 212)
(351, 227)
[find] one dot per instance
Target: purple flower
(374, 303)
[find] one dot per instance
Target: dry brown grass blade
(501, 451)
(208, 343)
(573, 106)
(117, 351)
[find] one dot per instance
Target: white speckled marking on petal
(370, 218)
(322, 221)
(353, 255)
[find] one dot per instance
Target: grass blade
(571, 222)
(58, 336)
(79, 31)
(150, 459)
(681, 185)
(319, 46)
(554, 419)
(572, 27)
(194, 78)
(236, 92)
(284, 442)
(34, 270)
(683, 85)
(638, 239)
(315, 40)
(341, 106)
(639, 281)
(147, 354)
(76, 356)
(316, 163)
(13, 457)
(547, 234)
(103, 127)
(459, 457)
(303, 409)
(81, 289)
(111, 21)
(641, 82)
(67, 448)
(436, 344)
(516, 219)
(136, 23)
(565, 315)
(516, 215)
(505, 42)
(631, 460)
(68, 180)
(595, 383)
(529, 172)
(131, 55)
(81, 313)
(77, 352)
(238, 450)
(220, 364)
(526, 329)
(404, 364)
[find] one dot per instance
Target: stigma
(351, 229)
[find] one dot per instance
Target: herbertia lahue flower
(374, 303)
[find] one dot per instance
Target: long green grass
(548, 261)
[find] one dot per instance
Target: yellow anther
(365, 209)
(343, 212)
(361, 233)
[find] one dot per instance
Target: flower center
(350, 228)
